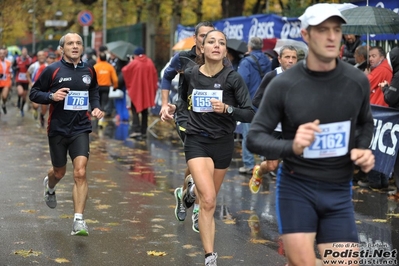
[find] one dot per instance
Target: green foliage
(292, 9)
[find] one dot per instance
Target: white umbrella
(299, 45)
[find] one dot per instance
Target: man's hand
(60, 94)
(167, 112)
(97, 113)
(363, 158)
(304, 136)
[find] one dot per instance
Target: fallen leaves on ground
(357, 200)
(90, 221)
(27, 253)
(188, 246)
(364, 191)
(44, 217)
(158, 226)
(148, 194)
(246, 211)
(61, 260)
(28, 211)
(156, 253)
(157, 220)
(137, 237)
(169, 235)
(379, 220)
(258, 241)
(132, 221)
(102, 207)
(233, 221)
(143, 194)
(112, 224)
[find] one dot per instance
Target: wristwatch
(230, 110)
(51, 96)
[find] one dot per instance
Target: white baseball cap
(316, 14)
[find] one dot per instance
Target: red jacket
(376, 76)
(141, 81)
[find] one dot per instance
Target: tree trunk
(232, 8)
(198, 11)
(175, 20)
(259, 5)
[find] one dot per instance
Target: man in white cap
(321, 103)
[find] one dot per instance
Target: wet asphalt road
(130, 209)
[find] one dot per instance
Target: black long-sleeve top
(235, 93)
(59, 75)
(299, 96)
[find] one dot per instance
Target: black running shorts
(78, 145)
(219, 150)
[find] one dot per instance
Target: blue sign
(85, 18)
(384, 144)
(244, 28)
(269, 26)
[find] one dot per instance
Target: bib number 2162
(333, 141)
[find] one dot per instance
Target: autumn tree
(13, 24)
(160, 16)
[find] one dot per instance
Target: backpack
(261, 74)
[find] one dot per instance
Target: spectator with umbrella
(351, 42)
(235, 51)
